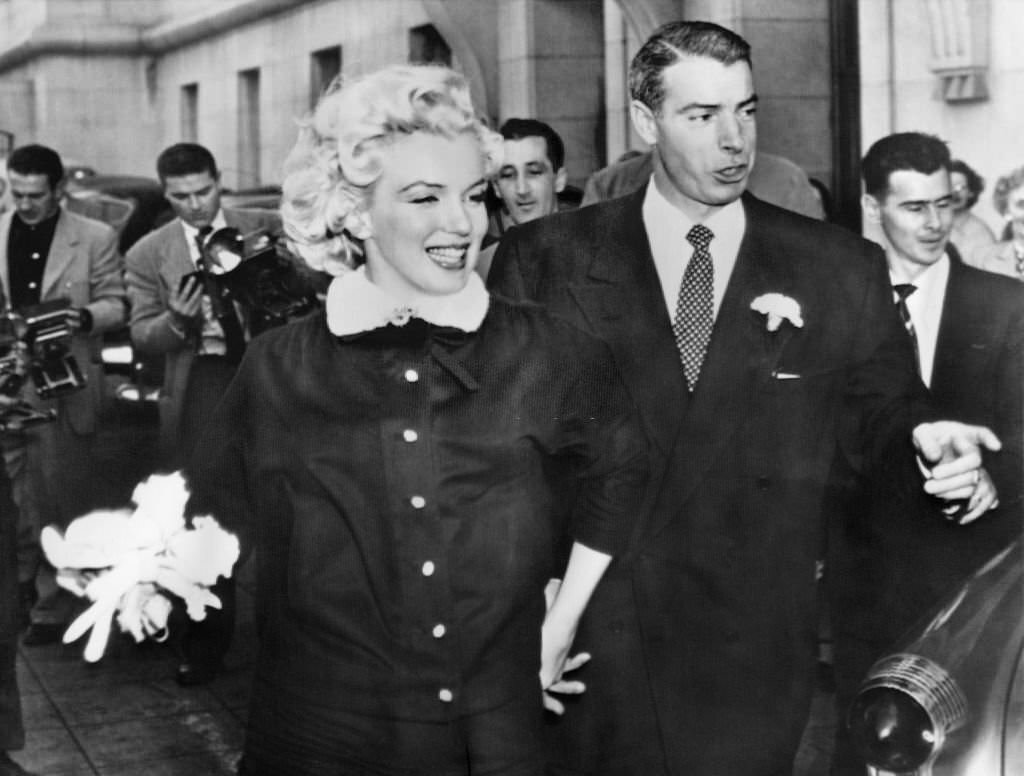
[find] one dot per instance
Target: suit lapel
(178, 260)
(61, 255)
(622, 300)
(962, 331)
(740, 355)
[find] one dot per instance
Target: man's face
(195, 198)
(527, 183)
(705, 133)
(916, 216)
(34, 199)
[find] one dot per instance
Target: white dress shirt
(211, 341)
(667, 227)
(925, 307)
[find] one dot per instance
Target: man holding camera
(180, 312)
(50, 255)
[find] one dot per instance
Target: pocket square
(785, 375)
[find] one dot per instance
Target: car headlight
(903, 712)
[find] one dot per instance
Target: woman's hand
(556, 641)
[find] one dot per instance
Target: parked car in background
(950, 701)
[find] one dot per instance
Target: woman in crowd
(1007, 256)
(971, 236)
(397, 461)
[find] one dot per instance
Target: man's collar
(218, 223)
(355, 305)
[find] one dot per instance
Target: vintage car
(950, 701)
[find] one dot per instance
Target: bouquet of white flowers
(125, 561)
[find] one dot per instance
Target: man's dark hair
(517, 129)
(675, 41)
(914, 151)
(185, 159)
(37, 159)
(975, 183)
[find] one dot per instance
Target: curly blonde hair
(1001, 192)
(329, 174)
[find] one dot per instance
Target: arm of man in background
(155, 324)
(107, 306)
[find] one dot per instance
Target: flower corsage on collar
(778, 308)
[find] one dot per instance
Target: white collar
(355, 305)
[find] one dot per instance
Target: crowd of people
(538, 488)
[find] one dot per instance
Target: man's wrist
(177, 323)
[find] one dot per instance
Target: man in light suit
(48, 253)
(764, 354)
(174, 314)
(967, 327)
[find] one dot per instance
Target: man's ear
(644, 121)
(872, 208)
(561, 178)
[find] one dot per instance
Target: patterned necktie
(903, 290)
(221, 304)
(695, 312)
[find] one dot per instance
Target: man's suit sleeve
(152, 329)
(107, 302)
(1007, 466)
(884, 398)
(506, 276)
(591, 190)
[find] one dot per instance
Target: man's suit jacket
(978, 377)
(153, 266)
(83, 265)
(704, 634)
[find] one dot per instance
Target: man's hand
(186, 300)
(950, 457)
(984, 498)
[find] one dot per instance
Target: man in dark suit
(967, 327)
(762, 351)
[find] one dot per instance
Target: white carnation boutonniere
(131, 562)
(778, 308)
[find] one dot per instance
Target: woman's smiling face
(426, 215)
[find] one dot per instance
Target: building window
(190, 112)
(324, 67)
(426, 46)
(248, 129)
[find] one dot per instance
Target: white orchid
(126, 562)
(778, 308)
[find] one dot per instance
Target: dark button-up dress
(400, 487)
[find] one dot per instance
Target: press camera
(35, 344)
(259, 275)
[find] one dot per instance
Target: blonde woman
(397, 460)
(1007, 256)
